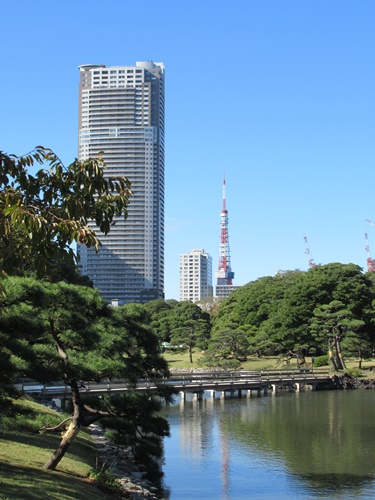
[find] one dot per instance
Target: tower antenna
(307, 252)
(370, 261)
(224, 273)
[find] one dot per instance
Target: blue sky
(276, 94)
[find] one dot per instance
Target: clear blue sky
(276, 94)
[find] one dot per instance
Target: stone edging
(120, 462)
(346, 381)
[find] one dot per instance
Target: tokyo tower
(224, 273)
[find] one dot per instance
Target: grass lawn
(23, 455)
(178, 360)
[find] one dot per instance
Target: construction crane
(370, 261)
(307, 252)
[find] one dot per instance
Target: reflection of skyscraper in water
(225, 464)
(196, 427)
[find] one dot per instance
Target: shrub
(354, 372)
(321, 361)
(105, 480)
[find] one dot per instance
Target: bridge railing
(183, 379)
(250, 375)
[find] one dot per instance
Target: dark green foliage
(227, 348)
(321, 361)
(276, 312)
(106, 481)
(355, 372)
(189, 326)
(180, 323)
(59, 332)
(139, 425)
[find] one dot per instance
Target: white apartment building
(121, 112)
(195, 275)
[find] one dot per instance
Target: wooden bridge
(250, 381)
(235, 382)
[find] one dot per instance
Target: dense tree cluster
(183, 325)
(329, 308)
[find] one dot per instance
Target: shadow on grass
(18, 482)
(171, 361)
(80, 449)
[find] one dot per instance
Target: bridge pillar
(212, 394)
(239, 393)
(274, 388)
(311, 387)
(298, 387)
(62, 403)
(198, 396)
(290, 388)
(265, 391)
(183, 395)
(251, 392)
(248, 393)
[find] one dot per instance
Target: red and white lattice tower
(370, 261)
(307, 252)
(224, 273)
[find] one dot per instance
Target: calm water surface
(292, 445)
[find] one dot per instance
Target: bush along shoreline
(117, 467)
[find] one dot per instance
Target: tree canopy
(276, 312)
(41, 214)
(67, 333)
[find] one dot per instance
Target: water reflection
(300, 445)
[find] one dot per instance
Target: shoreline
(120, 462)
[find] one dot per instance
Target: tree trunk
(67, 439)
(72, 431)
(191, 353)
(340, 359)
(331, 357)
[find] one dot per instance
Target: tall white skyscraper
(121, 113)
(195, 275)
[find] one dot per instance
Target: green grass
(177, 360)
(180, 360)
(23, 455)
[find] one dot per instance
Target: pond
(298, 445)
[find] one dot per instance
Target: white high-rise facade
(195, 275)
(121, 113)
